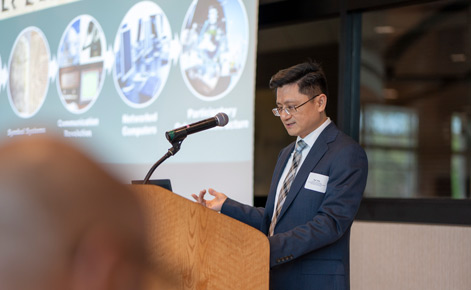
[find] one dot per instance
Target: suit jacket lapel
(280, 166)
(318, 150)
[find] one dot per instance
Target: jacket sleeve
(247, 214)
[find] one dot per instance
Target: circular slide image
(215, 40)
(80, 60)
(142, 54)
(28, 72)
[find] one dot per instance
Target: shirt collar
(311, 138)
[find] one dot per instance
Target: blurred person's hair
(65, 221)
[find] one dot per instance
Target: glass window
(415, 100)
(278, 48)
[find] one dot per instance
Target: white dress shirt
(310, 140)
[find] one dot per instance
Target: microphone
(221, 119)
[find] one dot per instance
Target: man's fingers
(201, 196)
(212, 192)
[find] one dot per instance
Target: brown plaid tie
(287, 184)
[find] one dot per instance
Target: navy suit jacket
(310, 245)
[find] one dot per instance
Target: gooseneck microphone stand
(176, 137)
(171, 151)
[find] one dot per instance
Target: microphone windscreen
(222, 119)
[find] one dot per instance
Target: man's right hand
(215, 203)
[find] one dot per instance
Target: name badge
(317, 182)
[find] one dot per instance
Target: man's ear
(94, 261)
(322, 101)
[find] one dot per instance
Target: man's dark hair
(308, 75)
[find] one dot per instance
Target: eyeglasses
(290, 110)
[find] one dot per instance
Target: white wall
(409, 256)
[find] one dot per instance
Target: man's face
(307, 118)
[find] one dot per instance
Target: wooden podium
(193, 247)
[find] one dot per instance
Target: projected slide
(114, 76)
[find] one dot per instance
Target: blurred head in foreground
(64, 222)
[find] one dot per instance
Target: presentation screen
(114, 76)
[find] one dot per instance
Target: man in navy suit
(316, 189)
